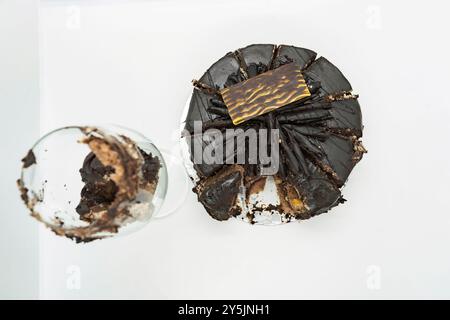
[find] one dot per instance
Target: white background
(131, 62)
(19, 114)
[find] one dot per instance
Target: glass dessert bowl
(89, 182)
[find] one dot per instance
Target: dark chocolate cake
(285, 88)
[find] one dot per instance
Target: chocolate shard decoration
(264, 93)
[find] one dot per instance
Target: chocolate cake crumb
(29, 159)
(151, 166)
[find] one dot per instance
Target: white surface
(132, 62)
(19, 111)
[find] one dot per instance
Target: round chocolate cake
(268, 88)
